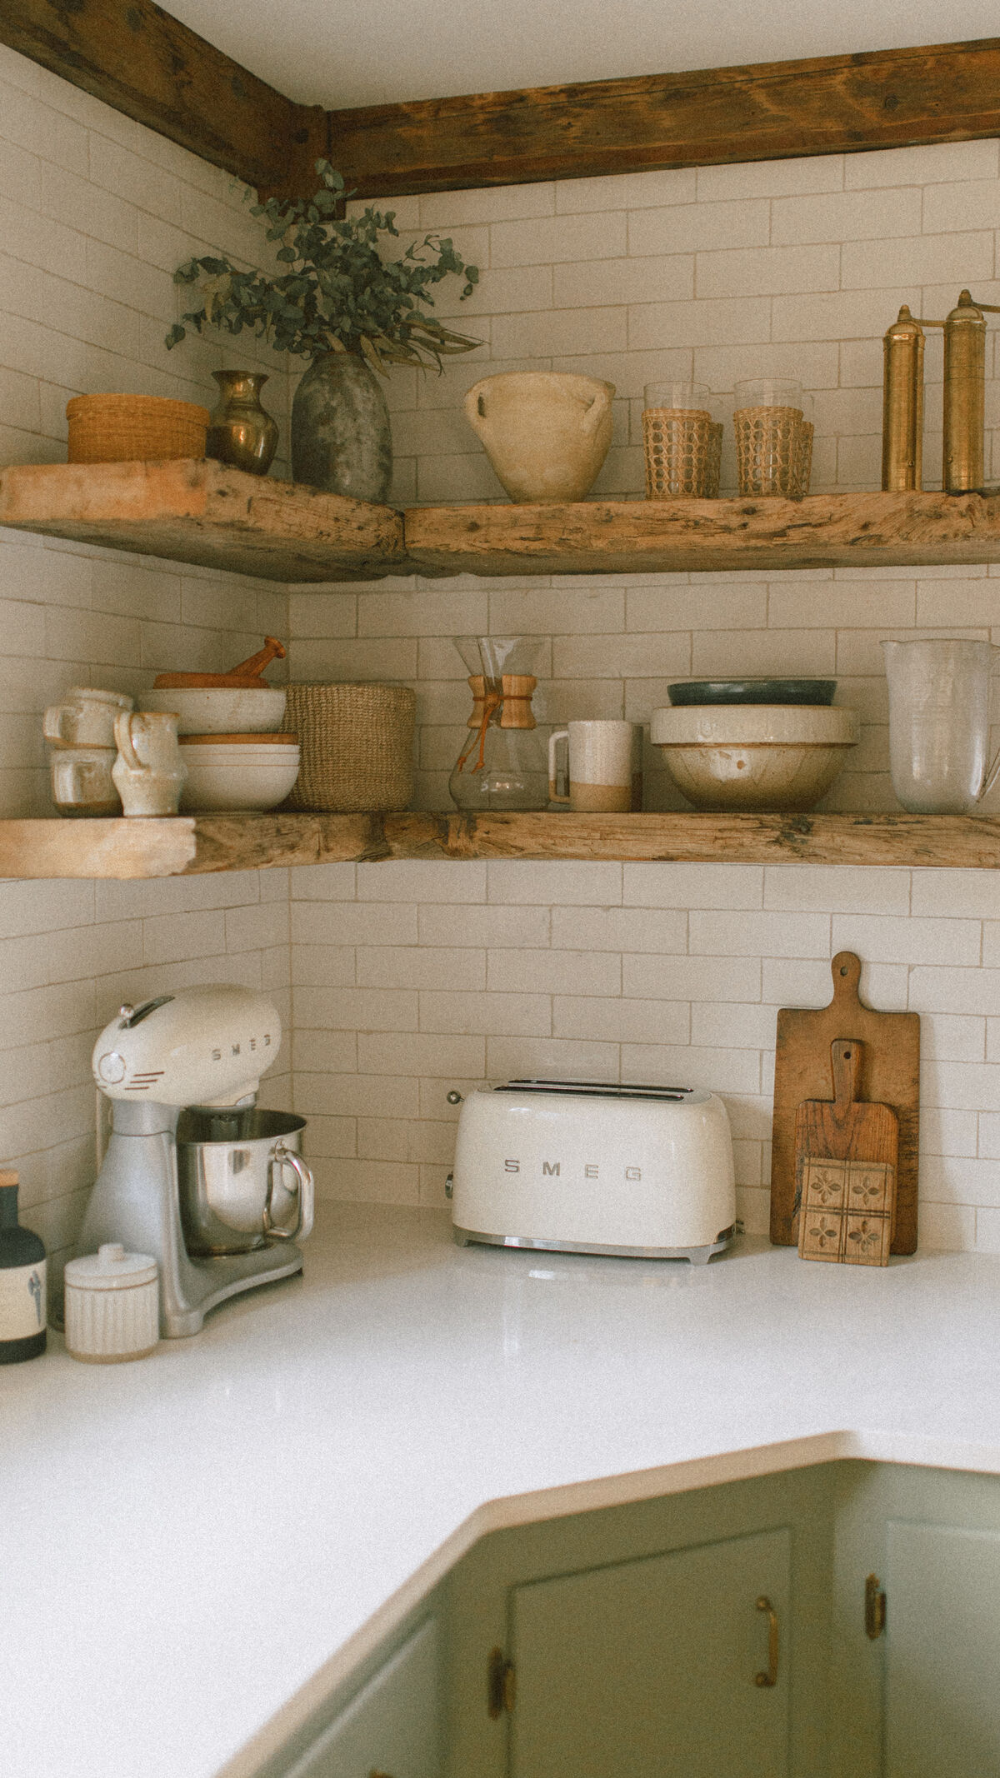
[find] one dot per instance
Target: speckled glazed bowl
(754, 757)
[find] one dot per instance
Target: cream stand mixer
(194, 1174)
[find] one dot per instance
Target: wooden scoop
(241, 678)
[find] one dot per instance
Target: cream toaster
(575, 1166)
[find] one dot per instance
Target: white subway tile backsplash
(412, 978)
(921, 166)
(693, 228)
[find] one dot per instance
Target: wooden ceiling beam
(136, 58)
(828, 105)
(140, 60)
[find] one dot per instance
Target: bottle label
(22, 1301)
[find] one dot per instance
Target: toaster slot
(594, 1089)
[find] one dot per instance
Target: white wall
(96, 212)
(429, 976)
(413, 978)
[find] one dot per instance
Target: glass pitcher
(939, 724)
(502, 764)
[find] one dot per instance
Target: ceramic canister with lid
(112, 1305)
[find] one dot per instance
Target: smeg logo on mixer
(553, 1170)
(251, 1045)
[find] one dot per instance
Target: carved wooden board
(845, 1169)
(889, 1075)
(195, 510)
(622, 537)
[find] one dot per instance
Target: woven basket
(683, 448)
(357, 747)
(773, 451)
(134, 428)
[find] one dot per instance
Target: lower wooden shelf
(190, 845)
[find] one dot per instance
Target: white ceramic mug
(149, 770)
(605, 767)
(85, 719)
(82, 781)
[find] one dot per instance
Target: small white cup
(605, 767)
(82, 781)
(149, 770)
(85, 719)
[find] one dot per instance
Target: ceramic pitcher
(149, 770)
(939, 724)
(546, 433)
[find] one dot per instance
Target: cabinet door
(392, 1726)
(648, 1667)
(942, 1652)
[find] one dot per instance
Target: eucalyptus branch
(339, 294)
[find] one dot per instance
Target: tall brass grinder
(964, 398)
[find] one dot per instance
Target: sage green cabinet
(942, 1652)
(392, 1725)
(922, 1700)
(651, 1667)
(636, 1639)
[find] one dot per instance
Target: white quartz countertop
(195, 1548)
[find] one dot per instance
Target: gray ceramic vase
(341, 438)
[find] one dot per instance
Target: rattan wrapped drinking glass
(773, 438)
(357, 747)
(681, 442)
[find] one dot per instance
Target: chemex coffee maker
(194, 1174)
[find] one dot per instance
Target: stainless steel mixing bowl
(242, 1181)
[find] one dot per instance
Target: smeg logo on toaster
(553, 1170)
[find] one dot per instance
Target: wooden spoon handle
(272, 650)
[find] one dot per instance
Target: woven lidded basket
(134, 428)
(357, 747)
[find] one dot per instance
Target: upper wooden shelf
(625, 537)
(200, 511)
(190, 845)
(195, 510)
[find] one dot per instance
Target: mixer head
(198, 1046)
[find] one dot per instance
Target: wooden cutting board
(889, 1075)
(845, 1169)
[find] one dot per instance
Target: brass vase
(240, 432)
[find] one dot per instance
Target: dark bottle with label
(22, 1282)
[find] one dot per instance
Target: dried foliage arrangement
(339, 294)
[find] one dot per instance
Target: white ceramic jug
(149, 770)
(546, 432)
(939, 724)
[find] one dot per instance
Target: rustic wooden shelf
(624, 537)
(200, 511)
(193, 844)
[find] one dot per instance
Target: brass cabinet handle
(771, 1676)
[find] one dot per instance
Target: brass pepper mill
(903, 403)
(963, 438)
(964, 396)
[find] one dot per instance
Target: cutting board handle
(846, 970)
(846, 1055)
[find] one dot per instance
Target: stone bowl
(215, 710)
(772, 759)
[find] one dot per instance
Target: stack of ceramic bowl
(230, 736)
(764, 745)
